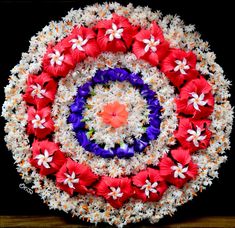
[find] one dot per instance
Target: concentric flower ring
(191, 149)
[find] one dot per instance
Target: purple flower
(125, 151)
(100, 77)
(84, 90)
(78, 105)
(139, 145)
(76, 120)
(82, 139)
(155, 122)
(152, 132)
(107, 153)
(118, 74)
(147, 93)
(135, 80)
(153, 104)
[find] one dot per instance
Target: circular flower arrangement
(118, 114)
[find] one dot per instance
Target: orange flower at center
(114, 114)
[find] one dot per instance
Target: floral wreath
(118, 114)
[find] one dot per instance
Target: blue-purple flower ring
(125, 149)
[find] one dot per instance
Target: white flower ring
(208, 160)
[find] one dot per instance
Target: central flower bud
(114, 114)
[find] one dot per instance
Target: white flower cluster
(88, 206)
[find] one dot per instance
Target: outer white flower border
(87, 207)
(114, 167)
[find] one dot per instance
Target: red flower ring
(203, 111)
(194, 103)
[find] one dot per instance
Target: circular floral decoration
(118, 114)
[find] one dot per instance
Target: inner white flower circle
(136, 106)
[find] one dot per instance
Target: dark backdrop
(19, 20)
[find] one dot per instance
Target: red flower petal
(182, 134)
(44, 118)
(53, 150)
(83, 176)
(138, 49)
(66, 64)
(40, 90)
(181, 155)
(92, 48)
(155, 182)
(169, 63)
(182, 160)
(192, 170)
(151, 56)
(140, 178)
(157, 31)
(198, 86)
(121, 185)
(165, 166)
(115, 45)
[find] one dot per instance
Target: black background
(19, 20)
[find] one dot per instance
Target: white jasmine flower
(151, 44)
(114, 32)
(37, 91)
(38, 122)
(197, 100)
(78, 43)
(70, 180)
(195, 136)
(56, 58)
(115, 193)
(44, 159)
(181, 66)
(149, 187)
(179, 171)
